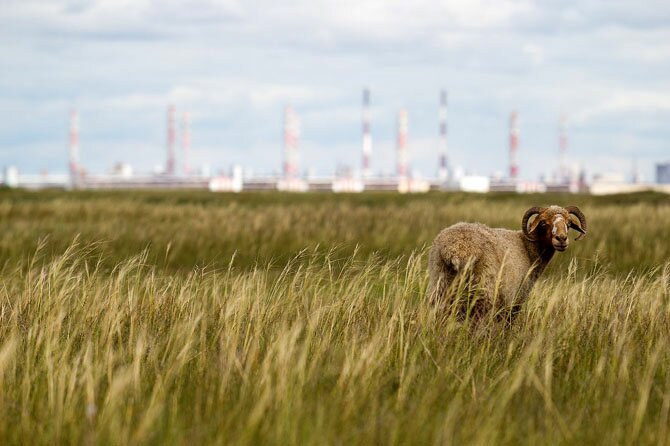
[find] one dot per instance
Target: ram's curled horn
(524, 222)
(577, 221)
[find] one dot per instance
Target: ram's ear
(528, 232)
(534, 224)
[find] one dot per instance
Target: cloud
(235, 64)
(534, 52)
(208, 93)
(627, 101)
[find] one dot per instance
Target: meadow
(267, 318)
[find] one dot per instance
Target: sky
(235, 65)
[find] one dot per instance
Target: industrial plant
(445, 177)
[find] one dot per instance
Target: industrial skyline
(291, 168)
(296, 178)
(605, 66)
(441, 173)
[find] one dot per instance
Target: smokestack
(402, 144)
(291, 140)
(367, 138)
(186, 140)
(443, 171)
(635, 172)
(513, 146)
(171, 139)
(563, 148)
(74, 146)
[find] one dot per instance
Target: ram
(500, 265)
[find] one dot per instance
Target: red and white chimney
(171, 140)
(403, 170)
(513, 146)
(443, 170)
(367, 137)
(74, 146)
(291, 142)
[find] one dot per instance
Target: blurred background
(545, 93)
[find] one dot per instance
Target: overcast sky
(236, 64)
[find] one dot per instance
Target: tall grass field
(196, 318)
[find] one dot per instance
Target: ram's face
(557, 225)
(551, 225)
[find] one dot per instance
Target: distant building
(663, 173)
(11, 177)
(122, 170)
(474, 183)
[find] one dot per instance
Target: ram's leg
(480, 307)
(440, 278)
(509, 312)
(514, 311)
(437, 288)
(478, 302)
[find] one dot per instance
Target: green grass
(195, 318)
(182, 230)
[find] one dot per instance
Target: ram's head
(551, 224)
